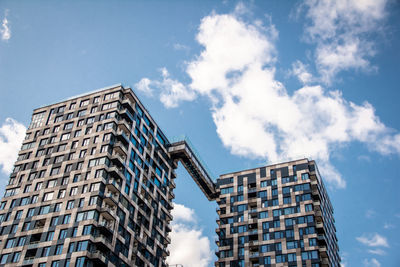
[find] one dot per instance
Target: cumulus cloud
(189, 246)
(341, 31)
(12, 134)
(255, 115)
(373, 240)
(172, 91)
(5, 29)
(144, 86)
(372, 263)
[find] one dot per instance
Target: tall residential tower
(278, 215)
(93, 185)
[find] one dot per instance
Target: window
(10, 243)
(34, 199)
(87, 230)
(70, 204)
(57, 207)
(46, 252)
(81, 113)
(81, 202)
(74, 231)
(74, 191)
(55, 171)
(267, 260)
(48, 196)
(30, 213)
(14, 228)
(68, 126)
(59, 159)
(287, 200)
(308, 255)
(94, 187)
(44, 210)
(304, 176)
(312, 242)
(50, 236)
(80, 262)
(67, 218)
(291, 257)
(21, 241)
(63, 234)
(3, 259)
(18, 215)
(78, 133)
(56, 263)
(82, 245)
(52, 183)
(227, 190)
(85, 142)
(84, 103)
(58, 249)
(54, 221)
(61, 193)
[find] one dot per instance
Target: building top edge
(83, 94)
(225, 175)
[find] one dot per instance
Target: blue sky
(250, 84)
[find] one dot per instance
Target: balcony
(121, 148)
(111, 199)
(124, 125)
(123, 136)
(252, 190)
(118, 159)
(113, 185)
(254, 255)
(106, 225)
(108, 212)
(253, 232)
(99, 257)
(117, 172)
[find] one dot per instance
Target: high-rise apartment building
(93, 186)
(278, 215)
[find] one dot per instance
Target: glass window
(50, 236)
(63, 234)
(58, 249)
(46, 252)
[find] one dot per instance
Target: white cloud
(377, 251)
(144, 86)
(372, 263)
(5, 29)
(189, 246)
(341, 30)
(172, 91)
(254, 114)
(373, 240)
(12, 134)
(301, 72)
(182, 213)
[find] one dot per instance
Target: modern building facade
(278, 215)
(93, 186)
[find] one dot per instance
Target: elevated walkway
(181, 149)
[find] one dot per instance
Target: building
(278, 215)
(93, 186)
